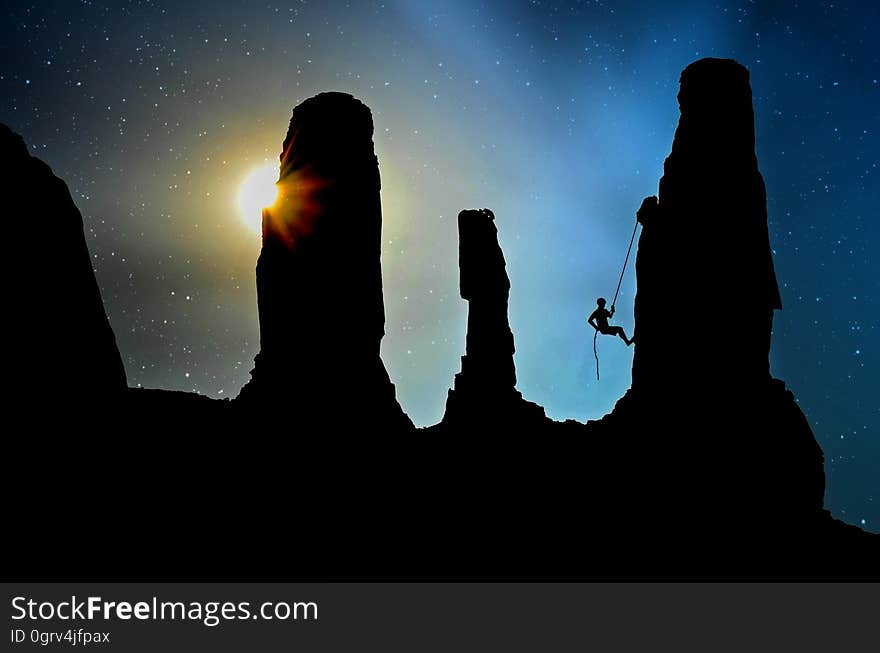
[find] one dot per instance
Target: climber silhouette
(599, 321)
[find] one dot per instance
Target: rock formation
(705, 271)
(718, 438)
(60, 333)
(319, 276)
(705, 468)
(485, 388)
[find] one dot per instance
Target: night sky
(556, 115)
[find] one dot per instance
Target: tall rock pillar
(319, 276)
(706, 284)
(720, 440)
(485, 388)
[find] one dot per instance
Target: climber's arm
(591, 320)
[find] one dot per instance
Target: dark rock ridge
(59, 333)
(485, 389)
(705, 468)
(319, 275)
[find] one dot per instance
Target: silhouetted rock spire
(719, 437)
(706, 284)
(319, 277)
(485, 387)
(62, 337)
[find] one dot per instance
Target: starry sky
(556, 115)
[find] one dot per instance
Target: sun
(257, 191)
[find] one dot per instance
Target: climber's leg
(618, 331)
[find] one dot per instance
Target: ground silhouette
(706, 467)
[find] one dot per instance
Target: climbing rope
(625, 261)
(616, 292)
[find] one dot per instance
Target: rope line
(625, 261)
(616, 292)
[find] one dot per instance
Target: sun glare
(257, 191)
